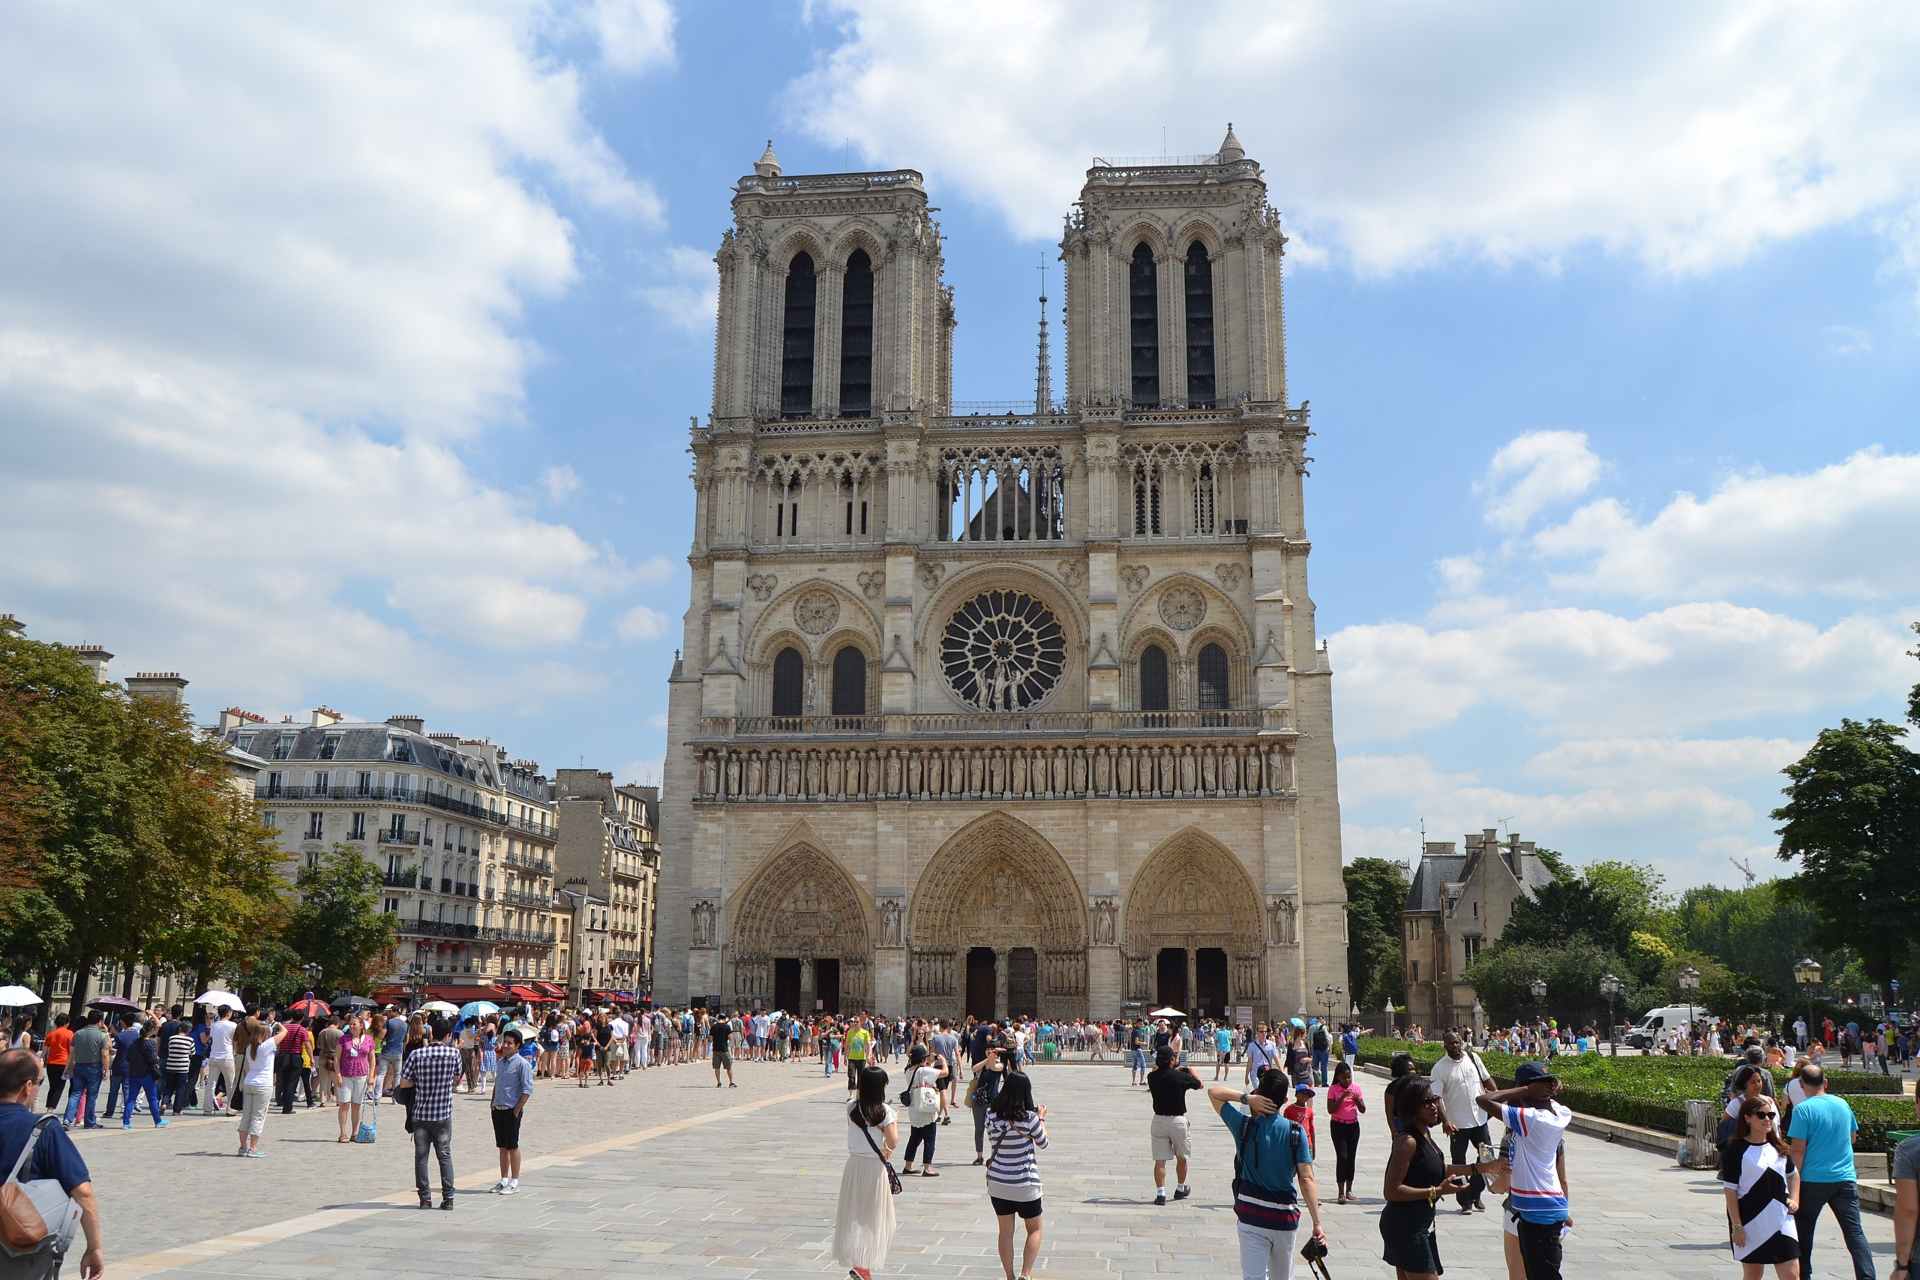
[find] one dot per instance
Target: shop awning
(552, 990)
(526, 993)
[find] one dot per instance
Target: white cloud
(1656, 761)
(1588, 672)
(1686, 136)
(1848, 340)
(1534, 471)
(560, 482)
(684, 289)
(1845, 530)
(634, 35)
(264, 271)
(1460, 575)
(641, 623)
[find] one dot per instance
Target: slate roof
(1430, 879)
(363, 743)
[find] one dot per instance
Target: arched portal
(798, 938)
(1193, 928)
(997, 903)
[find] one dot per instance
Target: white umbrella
(220, 999)
(1168, 1012)
(15, 997)
(438, 1006)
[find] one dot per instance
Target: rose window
(1003, 651)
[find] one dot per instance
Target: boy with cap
(1535, 1124)
(1300, 1111)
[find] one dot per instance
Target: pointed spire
(1230, 148)
(768, 165)
(1043, 369)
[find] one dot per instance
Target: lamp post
(1610, 987)
(417, 980)
(1389, 1030)
(1539, 988)
(1807, 974)
(1690, 983)
(1328, 996)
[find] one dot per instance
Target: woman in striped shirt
(1017, 1131)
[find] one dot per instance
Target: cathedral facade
(1002, 711)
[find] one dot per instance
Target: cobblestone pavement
(665, 1174)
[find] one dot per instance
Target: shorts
(721, 1058)
(351, 1089)
(584, 1053)
(1171, 1138)
(618, 1054)
(1008, 1208)
(506, 1128)
(1139, 1059)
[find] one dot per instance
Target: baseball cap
(1532, 1073)
(1303, 1087)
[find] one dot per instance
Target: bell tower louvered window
(796, 348)
(1200, 394)
(856, 338)
(1143, 310)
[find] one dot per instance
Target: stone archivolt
(1191, 894)
(800, 903)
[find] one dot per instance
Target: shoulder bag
(893, 1179)
(37, 1218)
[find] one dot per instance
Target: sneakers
(498, 1187)
(161, 1123)
(426, 1202)
(1159, 1195)
(446, 1202)
(1181, 1193)
(511, 1189)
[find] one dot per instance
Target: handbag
(369, 1130)
(893, 1179)
(36, 1217)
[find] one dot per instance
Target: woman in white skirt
(863, 1225)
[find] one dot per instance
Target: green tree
(1503, 975)
(1760, 930)
(1852, 820)
(1606, 904)
(1376, 895)
(337, 923)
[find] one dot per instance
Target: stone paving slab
(667, 1174)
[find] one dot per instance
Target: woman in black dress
(1763, 1192)
(1417, 1176)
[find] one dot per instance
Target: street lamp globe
(1689, 979)
(1807, 972)
(1539, 988)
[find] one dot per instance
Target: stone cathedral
(1002, 710)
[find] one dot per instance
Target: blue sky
(348, 357)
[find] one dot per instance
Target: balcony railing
(408, 795)
(407, 879)
(996, 723)
(439, 929)
(527, 862)
(515, 898)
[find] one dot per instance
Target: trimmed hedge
(1653, 1091)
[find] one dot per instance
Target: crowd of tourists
(1276, 1087)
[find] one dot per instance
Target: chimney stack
(412, 724)
(324, 716)
(96, 657)
(237, 717)
(11, 626)
(169, 687)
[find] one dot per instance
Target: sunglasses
(1766, 1115)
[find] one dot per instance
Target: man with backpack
(54, 1159)
(1322, 1054)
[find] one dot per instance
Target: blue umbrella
(1296, 1022)
(478, 1008)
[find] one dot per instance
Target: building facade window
(1215, 693)
(849, 682)
(796, 352)
(1153, 679)
(789, 683)
(1143, 313)
(1200, 385)
(856, 338)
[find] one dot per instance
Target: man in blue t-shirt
(1821, 1132)
(54, 1155)
(1271, 1156)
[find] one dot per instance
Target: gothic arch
(858, 233)
(1136, 645)
(777, 619)
(1202, 228)
(997, 883)
(1192, 894)
(1222, 614)
(805, 238)
(1139, 232)
(799, 904)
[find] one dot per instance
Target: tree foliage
(1502, 977)
(1852, 821)
(1606, 902)
(1376, 894)
(337, 923)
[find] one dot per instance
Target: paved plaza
(663, 1175)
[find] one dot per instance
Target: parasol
(220, 999)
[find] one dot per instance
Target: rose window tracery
(1003, 651)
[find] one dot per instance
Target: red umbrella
(309, 1006)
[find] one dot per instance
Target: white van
(1645, 1034)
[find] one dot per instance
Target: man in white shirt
(1459, 1077)
(220, 1071)
(617, 1047)
(1263, 1051)
(1537, 1188)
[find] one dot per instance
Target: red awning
(552, 989)
(459, 995)
(522, 993)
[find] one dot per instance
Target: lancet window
(1185, 490)
(796, 345)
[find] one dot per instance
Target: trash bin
(1697, 1149)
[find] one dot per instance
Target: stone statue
(890, 922)
(1105, 912)
(1280, 923)
(703, 922)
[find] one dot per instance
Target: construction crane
(1746, 869)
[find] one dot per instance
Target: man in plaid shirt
(431, 1070)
